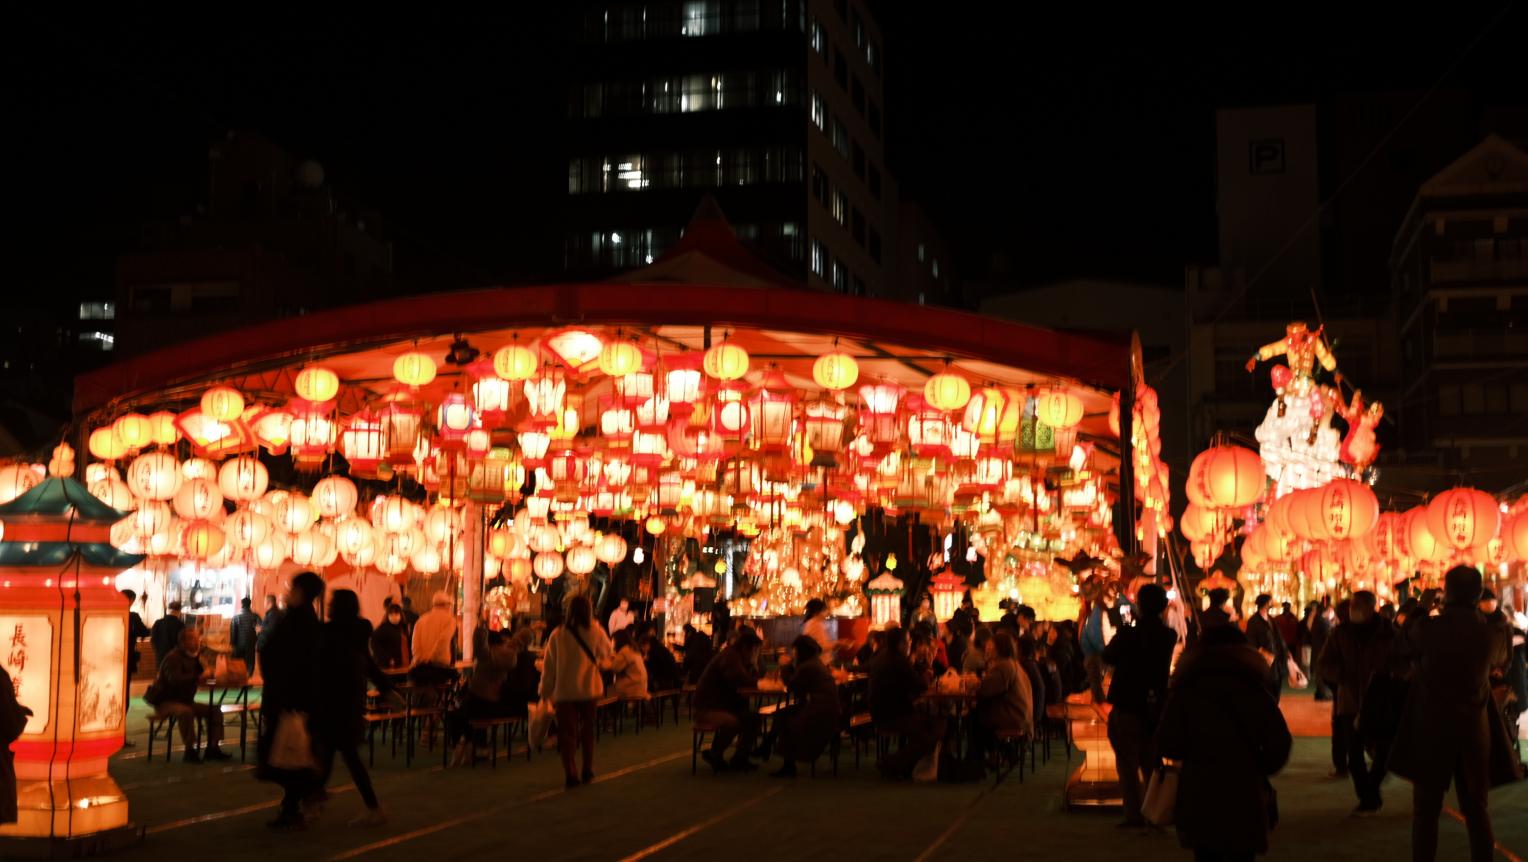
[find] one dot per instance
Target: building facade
(773, 107)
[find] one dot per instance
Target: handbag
(1161, 795)
(292, 746)
(539, 724)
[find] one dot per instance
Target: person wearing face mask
(390, 642)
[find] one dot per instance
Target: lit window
(629, 175)
(817, 260)
(699, 18)
(98, 311)
(615, 239)
(819, 39)
(920, 252)
(819, 112)
(840, 207)
(99, 340)
(840, 137)
(936, 267)
(840, 276)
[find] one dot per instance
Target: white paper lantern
(548, 566)
(198, 499)
(155, 476)
(334, 496)
(243, 479)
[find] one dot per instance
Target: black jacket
(1142, 655)
(1353, 654)
(663, 671)
(345, 667)
(165, 636)
(179, 674)
(720, 684)
(894, 685)
(289, 663)
(697, 655)
(390, 646)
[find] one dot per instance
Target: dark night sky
(1079, 146)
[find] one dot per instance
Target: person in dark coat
(697, 654)
(390, 642)
(338, 725)
(165, 635)
(1355, 654)
(243, 630)
(1141, 656)
(894, 689)
(524, 682)
(1446, 735)
(273, 615)
(292, 684)
(13, 721)
(1318, 629)
(1228, 735)
(806, 726)
(136, 630)
(719, 701)
(1289, 629)
(1264, 638)
(1216, 614)
(663, 671)
(721, 622)
(174, 693)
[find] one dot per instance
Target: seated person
(1003, 700)
(697, 653)
(925, 658)
(1025, 654)
(486, 688)
(974, 659)
(719, 700)
(174, 693)
(628, 666)
(895, 686)
(390, 642)
(811, 721)
(663, 670)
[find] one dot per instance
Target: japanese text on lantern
(26, 649)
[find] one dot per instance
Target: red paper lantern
(1233, 477)
(1463, 518)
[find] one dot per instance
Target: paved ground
(645, 804)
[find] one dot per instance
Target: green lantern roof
(57, 496)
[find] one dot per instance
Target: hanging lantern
(401, 419)
(17, 479)
(1516, 535)
(652, 415)
(165, 432)
(202, 539)
(363, 444)
(1197, 523)
(295, 514)
(617, 421)
(928, 429)
(544, 397)
(946, 391)
(476, 443)
(835, 371)
(453, 418)
(515, 363)
(578, 349)
(223, 403)
(105, 445)
(648, 448)
(1348, 509)
(822, 427)
(731, 414)
(1233, 477)
(610, 549)
(533, 447)
(426, 561)
(683, 383)
(109, 490)
(317, 384)
(245, 529)
(134, 430)
(1421, 544)
(155, 476)
(313, 432)
(152, 516)
(198, 500)
(414, 369)
(993, 414)
(1385, 540)
(273, 430)
(619, 358)
(548, 565)
(773, 409)
(392, 514)
(363, 556)
(947, 588)
(885, 593)
(1461, 519)
(726, 361)
(1058, 408)
(243, 479)
(352, 536)
(334, 496)
(269, 553)
(655, 525)
(490, 394)
(581, 560)
(313, 549)
(878, 420)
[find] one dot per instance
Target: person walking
(345, 669)
(292, 685)
(576, 652)
(1318, 629)
(273, 614)
(809, 724)
(165, 635)
(1141, 656)
(719, 701)
(1228, 736)
(1266, 639)
(243, 631)
(1446, 735)
(1355, 655)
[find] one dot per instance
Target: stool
(1010, 748)
(165, 720)
(671, 695)
(699, 729)
(492, 725)
(383, 718)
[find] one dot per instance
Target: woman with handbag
(290, 695)
(1227, 736)
(575, 654)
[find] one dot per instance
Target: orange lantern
(1516, 535)
(1462, 518)
(1421, 544)
(1197, 523)
(1348, 509)
(134, 430)
(1385, 539)
(202, 539)
(1233, 477)
(655, 525)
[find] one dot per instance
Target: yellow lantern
(202, 539)
(1058, 408)
(155, 476)
(946, 391)
(223, 403)
(836, 370)
(655, 525)
(414, 369)
(726, 361)
(619, 358)
(317, 384)
(164, 430)
(105, 445)
(134, 430)
(1421, 544)
(514, 363)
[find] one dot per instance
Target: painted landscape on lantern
(103, 673)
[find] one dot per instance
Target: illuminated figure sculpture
(1359, 447)
(1297, 443)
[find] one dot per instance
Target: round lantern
(946, 391)
(295, 514)
(243, 479)
(548, 565)
(610, 549)
(198, 499)
(1058, 408)
(134, 430)
(1233, 477)
(317, 384)
(1385, 539)
(152, 517)
(1348, 509)
(246, 529)
(726, 361)
(392, 514)
(164, 430)
(1421, 544)
(311, 547)
(581, 559)
(1463, 518)
(155, 476)
(619, 358)
(334, 496)
(414, 369)
(223, 403)
(426, 562)
(515, 363)
(198, 468)
(1516, 535)
(1197, 523)
(17, 479)
(268, 553)
(655, 525)
(352, 535)
(103, 444)
(836, 370)
(202, 539)
(441, 524)
(114, 493)
(361, 557)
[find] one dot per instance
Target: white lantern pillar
(472, 575)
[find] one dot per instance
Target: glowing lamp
(683, 384)
(653, 414)
(313, 432)
(617, 421)
(725, 361)
(580, 559)
(773, 409)
(578, 349)
(273, 429)
(1421, 544)
(1198, 523)
(547, 565)
(544, 396)
(946, 391)
(835, 371)
(1058, 408)
(202, 539)
(223, 403)
(533, 447)
(402, 419)
(928, 429)
(134, 430)
(392, 514)
(295, 514)
(885, 593)
(731, 414)
(1516, 536)
(364, 444)
(165, 432)
(105, 445)
(155, 476)
(151, 517)
(822, 426)
(515, 363)
(648, 448)
(111, 491)
(334, 496)
(17, 479)
(947, 588)
(317, 384)
(477, 442)
(414, 369)
(619, 358)
(453, 417)
(198, 499)
(1462, 518)
(1348, 509)
(655, 525)
(313, 549)
(610, 549)
(352, 535)
(1232, 477)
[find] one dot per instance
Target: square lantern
(363, 444)
(636, 387)
(617, 421)
(730, 416)
(670, 491)
(313, 432)
(947, 588)
(992, 470)
(823, 429)
(774, 412)
(684, 385)
(533, 447)
(648, 448)
(878, 419)
(928, 429)
(453, 418)
(490, 394)
(653, 415)
(566, 468)
(402, 418)
(476, 443)
(544, 395)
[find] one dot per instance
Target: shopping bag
(1297, 678)
(540, 723)
(927, 769)
(292, 747)
(1161, 796)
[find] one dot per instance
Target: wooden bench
(671, 695)
(166, 721)
(513, 725)
(602, 714)
(699, 730)
(384, 718)
(243, 711)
